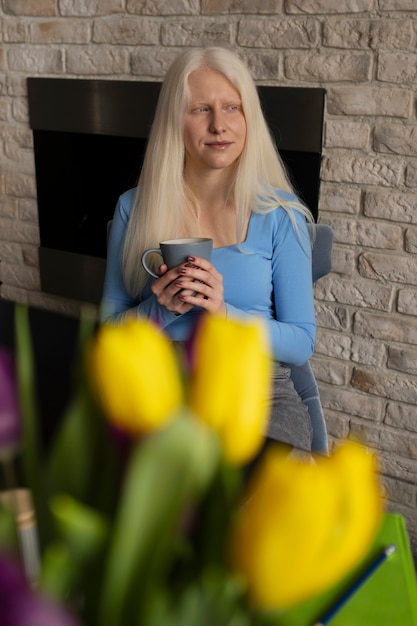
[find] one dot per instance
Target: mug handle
(144, 255)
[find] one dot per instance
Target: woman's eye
(233, 107)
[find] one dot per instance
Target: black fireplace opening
(77, 193)
(89, 142)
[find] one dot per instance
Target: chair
(303, 375)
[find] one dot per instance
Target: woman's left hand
(203, 285)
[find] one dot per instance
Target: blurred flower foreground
(138, 513)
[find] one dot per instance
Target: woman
(212, 170)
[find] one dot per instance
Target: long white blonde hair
(162, 207)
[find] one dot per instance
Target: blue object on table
(357, 583)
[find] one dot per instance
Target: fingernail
(191, 258)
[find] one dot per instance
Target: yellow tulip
(231, 383)
(306, 525)
(134, 371)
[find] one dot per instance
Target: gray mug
(176, 251)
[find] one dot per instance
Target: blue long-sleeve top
(268, 275)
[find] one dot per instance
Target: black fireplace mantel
(89, 140)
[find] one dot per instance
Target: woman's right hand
(167, 292)
(194, 283)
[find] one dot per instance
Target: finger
(162, 269)
(196, 261)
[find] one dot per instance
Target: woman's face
(215, 126)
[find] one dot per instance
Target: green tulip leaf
(168, 472)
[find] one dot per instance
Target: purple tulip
(20, 606)
(10, 418)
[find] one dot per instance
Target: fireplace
(89, 141)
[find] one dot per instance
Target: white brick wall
(364, 53)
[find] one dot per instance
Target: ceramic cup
(176, 251)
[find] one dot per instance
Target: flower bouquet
(143, 514)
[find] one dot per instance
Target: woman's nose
(217, 124)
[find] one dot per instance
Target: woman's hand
(194, 283)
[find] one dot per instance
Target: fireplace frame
(120, 108)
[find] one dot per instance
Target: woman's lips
(219, 145)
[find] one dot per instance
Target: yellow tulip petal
(305, 525)
(134, 371)
(231, 383)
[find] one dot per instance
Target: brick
(407, 301)
(396, 139)
(337, 424)
(397, 5)
(394, 267)
(20, 185)
(196, 33)
(336, 345)
(368, 100)
(278, 33)
(331, 316)
(153, 61)
(15, 31)
(381, 437)
(398, 467)
(347, 134)
(368, 352)
(216, 7)
(97, 61)
(162, 7)
(387, 385)
(339, 198)
(335, 67)
(36, 60)
(391, 205)
(328, 6)
(262, 65)
(16, 85)
(402, 359)
(344, 229)
(20, 276)
(364, 34)
(362, 170)
(14, 231)
(356, 292)
(343, 262)
(11, 251)
(125, 31)
(351, 402)
(8, 207)
(18, 137)
(384, 327)
(397, 67)
(30, 256)
(28, 209)
(86, 8)
(20, 110)
(377, 234)
(411, 175)
(400, 415)
(411, 240)
(33, 8)
(332, 372)
(4, 109)
(68, 31)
